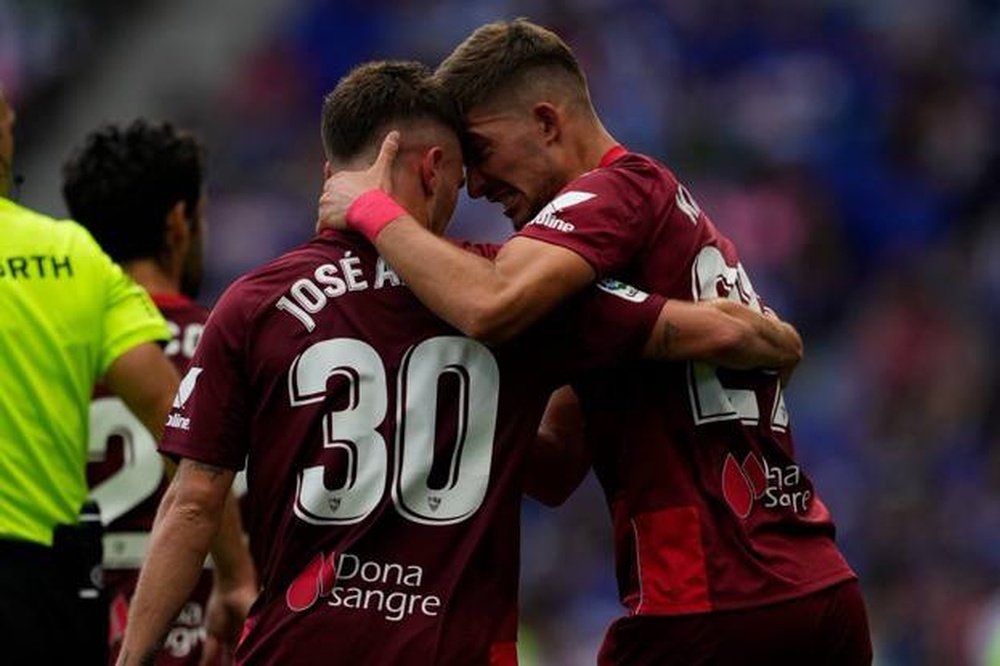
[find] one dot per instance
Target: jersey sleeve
(605, 216)
(130, 318)
(608, 323)
(208, 421)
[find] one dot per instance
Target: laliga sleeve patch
(622, 290)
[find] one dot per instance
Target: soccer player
(724, 552)
(68, 316)
(138, 190)
(383, 449)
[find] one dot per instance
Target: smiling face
(509, 161)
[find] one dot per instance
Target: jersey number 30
(353, 430)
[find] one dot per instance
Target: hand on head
(344, 187)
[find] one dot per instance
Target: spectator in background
(68, 316)
(138, 190)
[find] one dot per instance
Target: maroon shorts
(826, 628)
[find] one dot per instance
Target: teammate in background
(724, 552)
(384, 450)
(68, 316)
(138, 189)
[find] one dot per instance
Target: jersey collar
(613, 154)
(165, 300)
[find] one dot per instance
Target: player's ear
(327, 170)
(178, 231)
(430, 169)
(548, 120)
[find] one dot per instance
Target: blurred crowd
(850, 148)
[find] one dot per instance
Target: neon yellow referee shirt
(66, 313)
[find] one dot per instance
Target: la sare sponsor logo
(757, 481)
(176, 419)
(549, 216)
(187, 632)
(394, 590)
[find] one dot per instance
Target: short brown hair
(497, 56)
(372, 96)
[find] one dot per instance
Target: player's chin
(519, 217)
(519, 223)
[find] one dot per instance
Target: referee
(68, 316)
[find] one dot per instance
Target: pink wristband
(372, 211)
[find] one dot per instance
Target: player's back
(62, 309)
(127, 479)
(711, 510)
(384, 457)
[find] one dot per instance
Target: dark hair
(497, 57)
(122, 183)
(376, 94)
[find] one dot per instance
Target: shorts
(43, 619)
(825, 628)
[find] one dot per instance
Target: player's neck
(150, 276)
(593, 142)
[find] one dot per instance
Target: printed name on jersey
(308, 295)
(549, 216)
(773, 486)
(687, 204)
(622, 290)
(391, 589)
(35, 266)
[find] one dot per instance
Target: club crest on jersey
(549, 216)
(774, 487)
(433, 501)
(622, 290)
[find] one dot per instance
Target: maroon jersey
(126, 477)
(383, 453)
(710, 509)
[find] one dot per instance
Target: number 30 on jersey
(353, 430)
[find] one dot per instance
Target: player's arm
(234, 586)
(188, 518)
(559, 459)
(491, 301)
(487, 300)
(724, 333)
(146, 382)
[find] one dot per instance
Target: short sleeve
(130, 318)
(605, 216)
(605, 325)
(208, 421)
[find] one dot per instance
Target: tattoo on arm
(670, 333)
